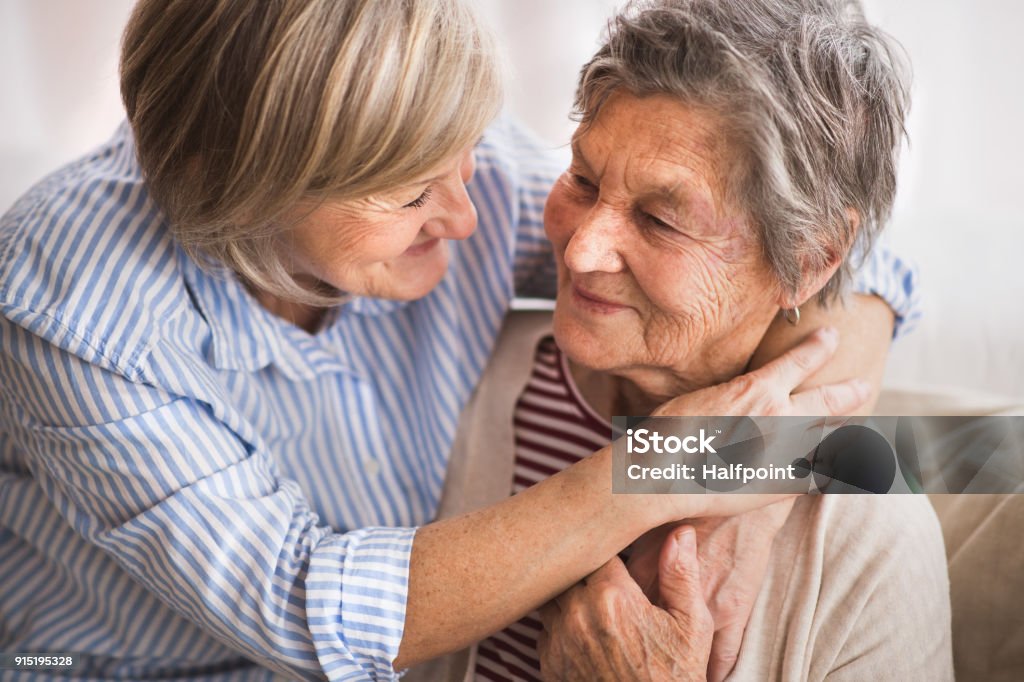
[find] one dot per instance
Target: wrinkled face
(391, 246)
(661, 279)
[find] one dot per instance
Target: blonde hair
(242, 109)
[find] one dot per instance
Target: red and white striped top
(554, 428)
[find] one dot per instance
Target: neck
(306, 317)
(610, 395)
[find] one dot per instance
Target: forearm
(474, 574)
(865, 327)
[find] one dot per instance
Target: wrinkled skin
(606, 628)
(664, 289)
(662, 280)
(734, 553)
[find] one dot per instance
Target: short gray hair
(810, 95)
(241, 110)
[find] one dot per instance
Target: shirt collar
(246, 336)
(371, 307)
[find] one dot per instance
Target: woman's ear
(813, 282)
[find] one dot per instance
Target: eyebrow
(425, 181)
(677, 195)
(434, 179)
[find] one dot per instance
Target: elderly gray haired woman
(731, 155)
(236, 339)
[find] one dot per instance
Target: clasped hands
(676, 610)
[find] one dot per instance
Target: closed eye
(419, 201)
(658, 222)
(583, 182)
(655, 223)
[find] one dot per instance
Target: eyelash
(583, 182)
(658, 222)
(419, 201)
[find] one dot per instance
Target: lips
(595, 302)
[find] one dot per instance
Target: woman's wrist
(634, 513)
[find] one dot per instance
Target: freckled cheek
(379, 242)
(676, 284)
(335, 253)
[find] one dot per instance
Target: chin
(417, 279)
(415, 288)
(411, 279)
(593, 347)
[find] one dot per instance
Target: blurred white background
(957, 214)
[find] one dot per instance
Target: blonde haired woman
(236, 339)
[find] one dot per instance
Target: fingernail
(829, 333)
(863, 387)
(686, 545)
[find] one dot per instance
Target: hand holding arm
(732, 576)
(865, 326)
(576, 523)
(733, 553)
(606, 628)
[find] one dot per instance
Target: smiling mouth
(595, 303)
(422, 247)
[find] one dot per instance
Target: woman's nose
(595, 244)
(462, 221)
(459, 218)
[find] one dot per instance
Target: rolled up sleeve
(360, 618)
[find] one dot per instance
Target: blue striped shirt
(192, 487)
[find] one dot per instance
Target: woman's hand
(768, 391)
(731, 578)
(865, 325)
(771, 390)
(605, 628)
